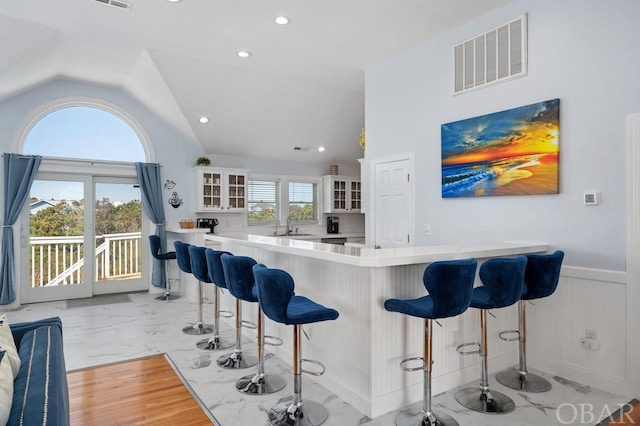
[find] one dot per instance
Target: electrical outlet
(590, 344)
(427, 229)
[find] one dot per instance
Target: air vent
(497, 55)
(122, 4)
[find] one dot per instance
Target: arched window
(84, 132)
(85, 211)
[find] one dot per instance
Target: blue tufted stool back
(542, 274)
(502, 283)
(214, 266)
(199, 267)
(182, 256)
(238, 274)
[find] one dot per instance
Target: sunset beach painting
(513, 152)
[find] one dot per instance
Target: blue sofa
(40, 392)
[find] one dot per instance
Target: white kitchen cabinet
(342, 194)
(221, 190)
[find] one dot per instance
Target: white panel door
(392, 206)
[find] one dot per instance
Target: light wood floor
(145, 391)
(632, 417)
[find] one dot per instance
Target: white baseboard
(615, 385)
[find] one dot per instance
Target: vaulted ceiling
(303, 84)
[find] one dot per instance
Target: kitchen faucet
(288, 226)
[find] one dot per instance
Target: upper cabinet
(221, 190)
(342, 194)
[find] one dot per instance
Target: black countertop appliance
(207, 223)
(333, 225)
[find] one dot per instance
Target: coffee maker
(207, 223)
(333, 225)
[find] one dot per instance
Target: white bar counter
(363, 348)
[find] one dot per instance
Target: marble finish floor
(101, 334)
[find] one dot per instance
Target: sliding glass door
(85, 238)
(118, 236)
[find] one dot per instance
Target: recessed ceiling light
(281, 20)
(244, 54)
(203, 120)
(320, 148)
(174, 1)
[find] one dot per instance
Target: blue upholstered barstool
(540, 280)
(449, 284)
(240, 289)
(155, 246)
(207, 272)
(503, 283)
(238, 274)
(184, 263)
(280, 304)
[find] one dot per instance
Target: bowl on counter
(187, 223)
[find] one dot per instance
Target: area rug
(106, 299)
(628, 414)
(142, 391)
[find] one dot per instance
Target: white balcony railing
(60, 260)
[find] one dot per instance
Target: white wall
(583, 52)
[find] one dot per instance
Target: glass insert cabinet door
(356, 195)
(212, 190)
(339, 195)
(237, 189)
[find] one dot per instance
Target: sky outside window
(83, 133)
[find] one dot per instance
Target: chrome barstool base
(512, 378)
(285, 413)
(237, 361)
(197, 329)
(257, 384)
(214, 343)
(437, 418)
(488, 402)
(168, 296)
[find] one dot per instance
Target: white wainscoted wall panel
(585, 299)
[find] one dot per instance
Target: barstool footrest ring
(474, 352)
(276, 341)
(502, 334)
(313, 373)
(248, 324)
(415, 358)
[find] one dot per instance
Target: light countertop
(369, 257)
(188, 230)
